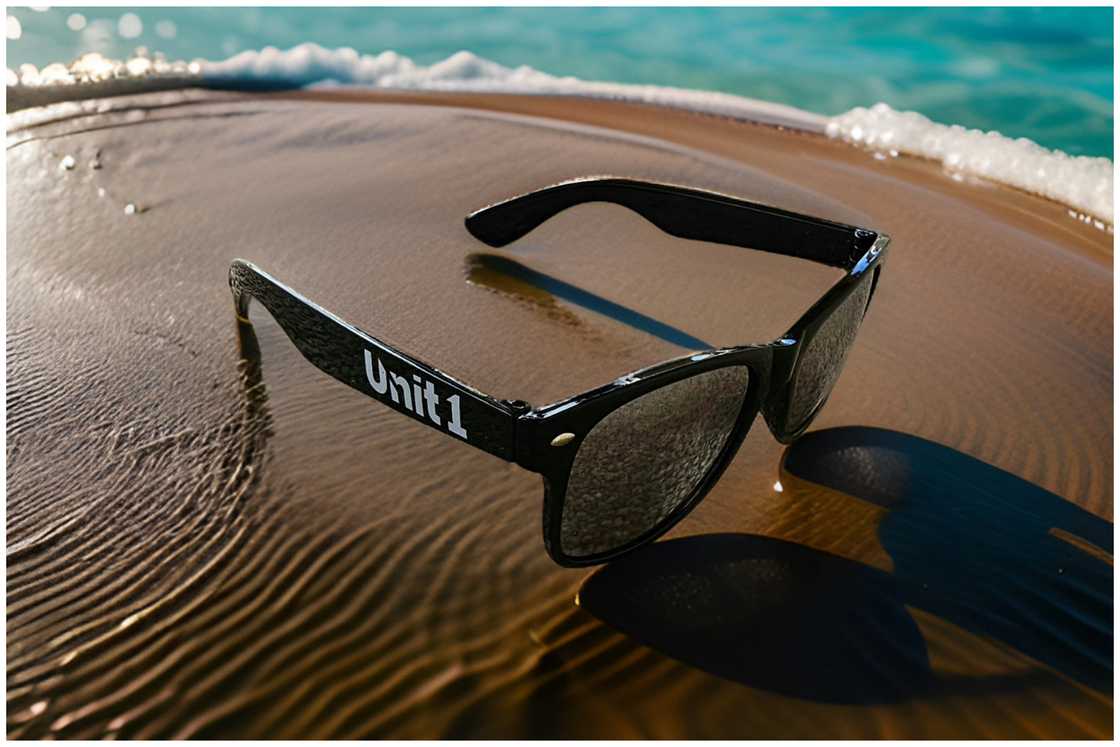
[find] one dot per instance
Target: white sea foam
(312, 65)
(1082, 183)
(92, 68)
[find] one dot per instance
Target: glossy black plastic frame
(546, 439)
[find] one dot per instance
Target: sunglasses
(624, 462)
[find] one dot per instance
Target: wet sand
(194, 552)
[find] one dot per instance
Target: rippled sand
(197, 549)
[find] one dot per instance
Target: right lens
(646, 459)
(822, 358)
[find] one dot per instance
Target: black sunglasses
(624, 462)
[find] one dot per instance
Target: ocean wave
(1082, 182)
(312, 65)
(1085, 184)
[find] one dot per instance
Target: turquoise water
(1041, 73)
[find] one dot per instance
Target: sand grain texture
(194, 550)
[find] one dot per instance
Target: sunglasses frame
(546, 439)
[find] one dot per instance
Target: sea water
(1039, 73)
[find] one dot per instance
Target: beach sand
(194, 552)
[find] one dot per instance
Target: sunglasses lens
(823, 356)
(645, 460)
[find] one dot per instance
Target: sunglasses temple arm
(680, 212)
(378, 370)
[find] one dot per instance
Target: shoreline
(580, 108)
(859, 127)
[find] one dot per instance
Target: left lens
(823, 355)
(647, 458)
